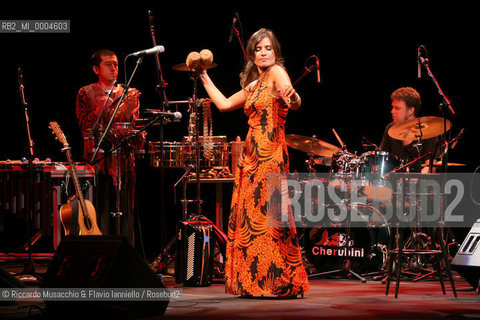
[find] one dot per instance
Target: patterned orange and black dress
(262, 259)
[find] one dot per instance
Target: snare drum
(168, 154)
(374, 165)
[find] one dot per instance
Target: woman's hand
(290, 96)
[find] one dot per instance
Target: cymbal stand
(310, 161)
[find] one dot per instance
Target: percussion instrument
(424, 127)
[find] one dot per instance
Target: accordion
(195, 253)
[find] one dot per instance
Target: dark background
(366, 49)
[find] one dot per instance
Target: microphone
(21, 87)
(20, 78)
(419, 65)
(167, 114)
(424, 61)
(146, 52)
(230, 37)
(317, 61)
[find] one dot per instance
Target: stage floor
(332, 298)
(327, 299)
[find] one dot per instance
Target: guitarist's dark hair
(97, 56)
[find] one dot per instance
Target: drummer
(406, 104)
(90, 105)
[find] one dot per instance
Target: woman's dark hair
(250, 72)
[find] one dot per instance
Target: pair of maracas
(203, 58)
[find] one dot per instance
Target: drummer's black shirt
(409, 152)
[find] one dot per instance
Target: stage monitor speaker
(467, 259)
(101, 262)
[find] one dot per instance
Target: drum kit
(368, 244)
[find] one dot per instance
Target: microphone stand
(29, 267)
(445, 105)
(94, 159)
(161, 82)
(161, 89)
(237, 34)
(306, 71)
(304, 74)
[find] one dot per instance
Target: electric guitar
(78, 215)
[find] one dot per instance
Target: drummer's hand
(133, 96)
(426, 169)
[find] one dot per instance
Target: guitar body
(78, 215)
(75, 222)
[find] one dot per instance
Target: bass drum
(329, 247)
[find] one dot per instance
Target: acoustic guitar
(78, 215)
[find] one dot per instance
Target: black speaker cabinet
(467, 259)
(101, 262)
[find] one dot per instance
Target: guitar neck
(76, 182)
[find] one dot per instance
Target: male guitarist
(95, 103)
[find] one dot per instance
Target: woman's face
(264, 54)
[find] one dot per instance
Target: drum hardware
(368, 144)
(345, 168)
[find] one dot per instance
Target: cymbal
(184, 67)
(449, 164)
(314, 145)
(427, 127)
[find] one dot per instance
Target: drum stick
(338, 138)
